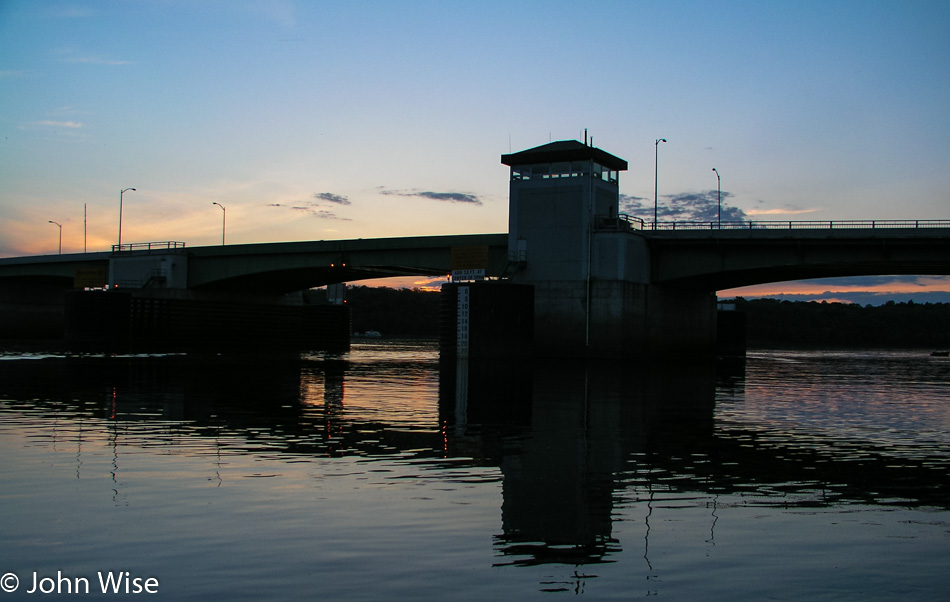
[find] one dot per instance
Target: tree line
(393, 312)
(769, 322)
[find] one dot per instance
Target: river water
(382, 475)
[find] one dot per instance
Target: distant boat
(940, 353)
(372, 334)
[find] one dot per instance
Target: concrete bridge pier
(590, 270)
(624, 319)
(646, 319)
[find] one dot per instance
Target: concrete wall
(493, 320)
(554, 225)
(625, 319)
(149, 270)
(621, 256)
(680, 321)
(31, 309)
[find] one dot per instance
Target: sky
(311, 120)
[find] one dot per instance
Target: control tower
(589, 265)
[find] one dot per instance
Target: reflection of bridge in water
(571, 442)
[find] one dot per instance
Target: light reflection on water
(383, 474)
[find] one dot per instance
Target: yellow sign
(470, 258)
(90, 277)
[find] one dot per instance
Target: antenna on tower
(585, 136)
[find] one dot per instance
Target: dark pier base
(730, 334)
(488, 319)
(498, 319)
(113, 321)
(31, 310)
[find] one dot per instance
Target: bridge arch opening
(861, 290)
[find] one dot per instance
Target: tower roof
(564, 150)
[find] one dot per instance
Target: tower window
(563, 169)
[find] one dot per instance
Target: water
(382, 475)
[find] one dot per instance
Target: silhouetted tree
(770, 322)
(394, 312)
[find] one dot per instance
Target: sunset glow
(389, 119)
(874, 290)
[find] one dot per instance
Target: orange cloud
(779, 211)
(419, 282)
(921, 284)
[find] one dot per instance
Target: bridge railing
(621, 222)
(149, 246)
(800, 225)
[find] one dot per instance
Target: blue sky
(319, 120)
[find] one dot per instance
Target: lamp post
(719, 190)
(656, 161)
(60, 235)
(224, 219)
(122, 192)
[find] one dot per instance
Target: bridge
(715, 257)
(681, 258)
(693, 255)
(573, 274)
(272, 268)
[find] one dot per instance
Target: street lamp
(719, 189)
(122, 192)
(224, 219)
(60, 235)
(656, 160)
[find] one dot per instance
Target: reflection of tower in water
(559, 478)
(566, 433)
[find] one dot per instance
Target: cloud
(324, 214)
(683, 207)
(450, 197)
(332, 198)
(858, 297)
(96, 60)
(788, 211)
(61, 124)
(319, 213)
(68, 12)
(635, 205)
(72, 54)
(315, 209)
(281, 12)
(865, 290)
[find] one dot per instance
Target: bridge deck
(713, 259)
(697, 255)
